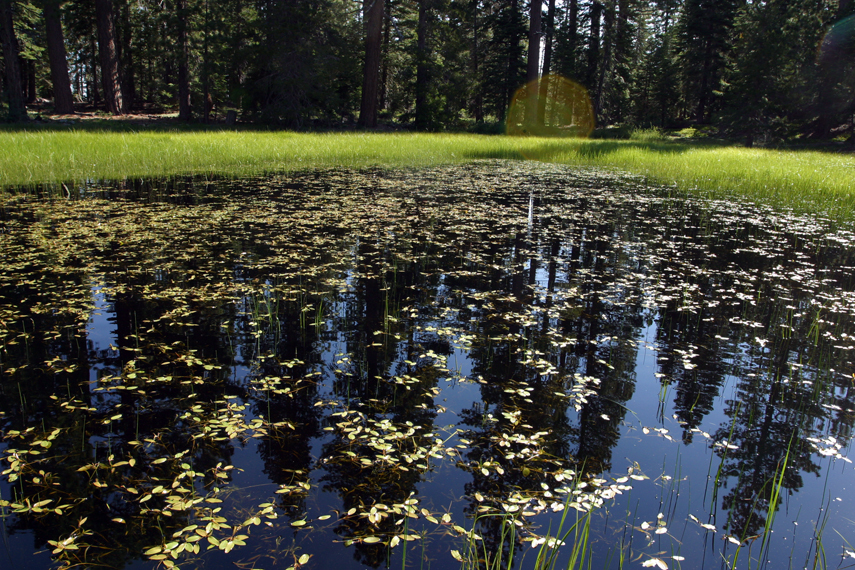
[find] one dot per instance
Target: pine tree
(476, 85)
(108, 50)
(533, 60)
(772, 69)
(62, 98)
(567, 41)
(371, 79)
(14, 87)
(593, 53)
(655, 88)
(504, 68)
(705, 38)
(549, 41)
(423, 118)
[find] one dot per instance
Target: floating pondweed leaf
(211, 371)
(657, 562)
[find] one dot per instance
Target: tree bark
(15, 91)
(511, 81)
(384, 68)
(573, 35)
(63, 102)
(621, 54)
(184, 109)
(704, 93)
(28, 70)
(94, 94)
(533, 69)
(126, 60)
(594, 44)
(207, 100)
(605, 60)
(373, 43)
(110, 79)
(547, 63)
(422, 118)
(478, 104)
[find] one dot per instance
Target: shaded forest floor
(87, 118)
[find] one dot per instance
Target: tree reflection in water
(313, 368)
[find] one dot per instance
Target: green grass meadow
(804, 180)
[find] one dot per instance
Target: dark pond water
(441, 368)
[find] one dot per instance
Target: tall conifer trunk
(478, 103)
(94, 94)
(605, 61)
(110, 78)
(533, 68)
(384, 67)
(184, 109)
(126, 60)
(15, 90)
(510, 77)
(373, 11)
(704, 92)
(28, 69)
(594, 44)
(573, 33)
(422, 118)
(547, 63)
(63, 102)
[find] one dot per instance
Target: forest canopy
(764, 69)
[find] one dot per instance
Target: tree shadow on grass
(589, 149)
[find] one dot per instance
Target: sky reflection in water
(342, 365)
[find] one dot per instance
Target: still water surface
(413, 368)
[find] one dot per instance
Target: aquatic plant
(393, 365)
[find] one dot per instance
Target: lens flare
(552, 106)
(839, 42)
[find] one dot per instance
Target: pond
(496, 365)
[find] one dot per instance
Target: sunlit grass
(803, 180)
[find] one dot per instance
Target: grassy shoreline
(804, 180)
